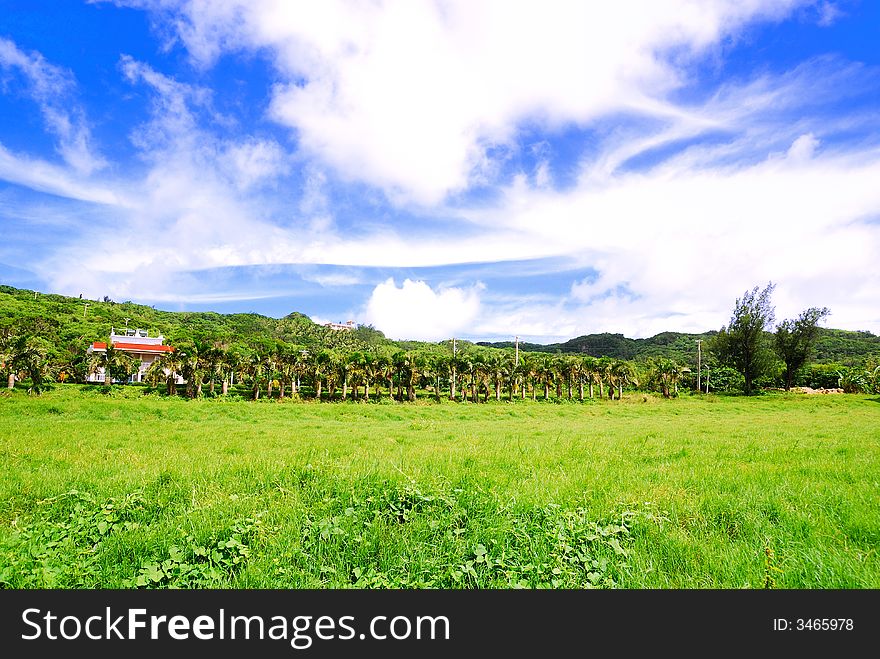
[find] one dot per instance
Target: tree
(742, 345)
(29, 356)
(623, 373)
(795, 339)
(115, 363)
(590, 369)
(166, 367)
(665, 375)
(7, 338)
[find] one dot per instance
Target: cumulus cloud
(417, 311)
(412, 96)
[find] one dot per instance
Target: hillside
(73, 323)
(833, 346)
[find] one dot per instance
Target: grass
(127, 490)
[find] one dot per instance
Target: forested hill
(674, 345)
(71, 324)
(833, 345)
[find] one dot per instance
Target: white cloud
(332, 279)
(254, 161)
(52, 88)
(803, 148)
(829, 12)
(40, 175)
(417, 311)
(409, 96)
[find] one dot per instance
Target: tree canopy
(742, 344)
(795, 340)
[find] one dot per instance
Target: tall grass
(699, 492)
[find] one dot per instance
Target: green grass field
(126, 490)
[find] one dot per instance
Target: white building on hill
(136, 343)
(348, 325)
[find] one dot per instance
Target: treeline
(44, 338)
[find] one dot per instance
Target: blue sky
(438, 169)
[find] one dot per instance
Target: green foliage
(853, 380)
(59, 546)
(723, 379)
(794, 341)
(196, 564)
(819, 376)
(742, 345)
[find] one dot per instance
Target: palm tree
(576, 374)
(372, 371)
(666, 372)
(255, 368)
(623, 373)
(321, 368)
(434, 368)
(466, 369)
(233, 363)
(353, 367)
(513, 372)
(203, 357)
(115, 364)
(559, 373)
(590, 368)
(400, 362)
(7, 338)
(166, 367)
(384, 372)
(289, 360)
(192, 364)
(479, 377)
(603, 369)
(28, 355)
(215, 356)
(417, 364)
(571, 372)
(496, 369)
(270, 367)
(529, 367)
(545, 373)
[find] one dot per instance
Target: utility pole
(699, 341)
(126, 325)
(516, 360)
(85, 309)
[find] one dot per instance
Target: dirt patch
(810, 390)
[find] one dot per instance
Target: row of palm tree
(472, 375)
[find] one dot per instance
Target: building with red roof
(138, 344)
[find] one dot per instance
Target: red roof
(145, 348)
(98, 345)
